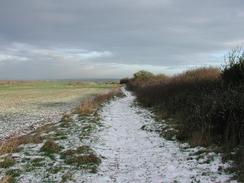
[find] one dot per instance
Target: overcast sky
(65, 39)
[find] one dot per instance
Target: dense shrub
(233, 72)
(124, 81)
(206, 107)
(207, 103)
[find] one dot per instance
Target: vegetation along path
(131, 154)
(117, 144)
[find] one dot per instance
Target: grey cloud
(160, 33)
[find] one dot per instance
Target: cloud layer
(100, 39)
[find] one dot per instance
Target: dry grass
(87, 106)
(7, 162)
(7, 179)
(91, 104)
(12, 144)
(82, 157)
(50, 147)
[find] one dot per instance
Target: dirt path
(128, 154)
(131, 154)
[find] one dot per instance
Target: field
(26, 104)
(55, 152)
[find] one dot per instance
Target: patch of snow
(17, 123)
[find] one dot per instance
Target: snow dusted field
(128, 154)
(24, 106)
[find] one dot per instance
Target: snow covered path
(132, 155)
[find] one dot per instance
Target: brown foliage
(91, 104)
(12, 144)
(207, 103)
(7, 179)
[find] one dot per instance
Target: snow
(19, 123)
(29, 152)
(129, 154)
(135, 155)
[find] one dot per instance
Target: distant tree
(143, 75)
